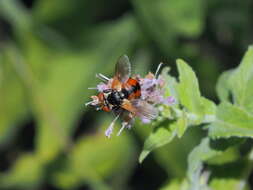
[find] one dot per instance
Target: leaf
(173, 156)
(16, 14)
(236, 178)
(182, 124)
(198, 110)
(176, 184)
(159, 137)
(231, 121)
(199, 154)
(228, 183)
(86, 164)
(209, 108)
(188, 89)
(13, 104)
(166, 20)
(223, 86)
(235, 119)
(241, 82)
(228, 156)
(220, 155)
(26, 173)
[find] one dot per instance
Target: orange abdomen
(133, 88)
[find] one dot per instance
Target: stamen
(88, 103)
(92, 88)
(158, 69)
(124, 124)
(109, 130)
(102, 77)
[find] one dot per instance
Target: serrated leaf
(231, 121)
(159, 137)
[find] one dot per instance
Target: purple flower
(109, 131)
(169, 101)
(102, 86)
(145, 120)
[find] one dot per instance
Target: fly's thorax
(113, 98)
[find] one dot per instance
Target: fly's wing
(144, 109)
(123, 69)
(140, 108)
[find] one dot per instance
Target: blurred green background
(50, 51)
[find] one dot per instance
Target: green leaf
(13, 104)
(228, 156)
(176, 184)
(188, 89)
(168, 19)
(236, 178)
(220, 155)
(231, 121)
(86, 164)
(223, 86)
(241, 82)
(209, 108)
(198, 109)
(14, 12)
(26, 173)
(159, 137)
(182, 124)
(228, 183)
(173, 156)
(199, 154)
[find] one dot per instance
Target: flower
(109, 131)
(102, 86)
(152, 89)
(169, 101)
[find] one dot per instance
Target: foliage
(228, 120)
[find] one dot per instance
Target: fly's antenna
(158, 69)
(102, 77)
